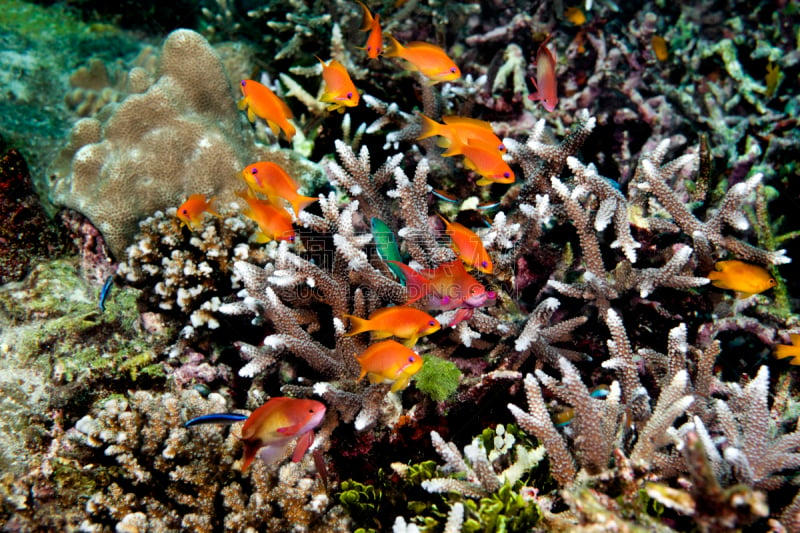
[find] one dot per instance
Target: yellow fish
(575, 16)
(782, 351)
(340, 91)
(398, 321)
(744, 278)
(389, 361)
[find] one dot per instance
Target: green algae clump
(438, 378)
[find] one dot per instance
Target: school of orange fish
(273, 426)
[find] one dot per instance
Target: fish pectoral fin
(484, 181)
(242, 104)
(303, 444)
(381, 334)
(288, 431)
(401, 383)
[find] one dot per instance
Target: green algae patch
(59, 329)
(438, 378)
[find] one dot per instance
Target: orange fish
(545, 82)
(398, 321)
(275, 424)
(374, 45)
(274, 222)
(575, 15)
(484, 159)
(260, 101)
(389, 361)
(427, 58)
(447, 287)
(468, 246)
(339, 89)
(660, 48)
(270, 179)
(464, 128)
(190, 213)
(744, 278)
(782, 351)
(272, 427)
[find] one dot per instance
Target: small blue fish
(486, 206)
(386, 246)
(216, 418)
(104, 292)
(445, 196)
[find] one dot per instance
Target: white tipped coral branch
(536, 421)
(672, 403)
(634, 394)
(655, 177)
(536, 337)
(593, 425)
(354, 176)
(756, 455)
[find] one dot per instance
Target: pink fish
(545, 82)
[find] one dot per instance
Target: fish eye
(291, 238)
(349, 96)
(484, 264)
(453, 70)
(369, 49)
(244, 83)
(185, 211)
(254, 171)
(501, 147)
(432, 323)
(506, 175)
(771, 282)
(410, 358)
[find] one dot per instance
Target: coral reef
(181, 136)
(609, 383)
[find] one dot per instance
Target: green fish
(386, 246)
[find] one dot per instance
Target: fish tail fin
(366, 24)
(782, 351)
(357, 325)
(394, 48)
(301, 202)
(429, 127)
(416, 283)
